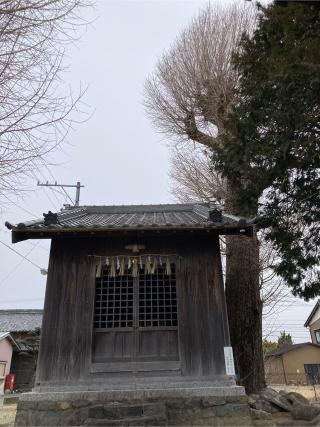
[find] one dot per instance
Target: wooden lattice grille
(158, 298)
(124, 301)
(114, 301)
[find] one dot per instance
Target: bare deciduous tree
(188, 98)
(193, 178)
(190, 93)
(35, 112)
(274, 292)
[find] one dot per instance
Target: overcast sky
(116, 154)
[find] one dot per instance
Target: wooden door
(135, 322)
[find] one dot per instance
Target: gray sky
(116, 154)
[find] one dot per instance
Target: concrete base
(137, 383)
(184, 406)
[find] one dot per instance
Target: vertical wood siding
(67, 329)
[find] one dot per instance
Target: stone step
(135, 414)
(10, 399)
(128, 422)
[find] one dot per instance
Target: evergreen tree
(271, 150)
(284, 339)
(268, 346)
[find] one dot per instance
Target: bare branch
(193, 177)
(191, 91)
(35, 112)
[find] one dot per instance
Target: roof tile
(171, 216)
(20, 320)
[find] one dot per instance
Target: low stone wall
(63, 409)
(209, 411)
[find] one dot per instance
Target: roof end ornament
(50, 218)
(215, 212)
(8, 225)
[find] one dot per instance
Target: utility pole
(77, 186)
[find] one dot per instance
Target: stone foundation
(215, 406)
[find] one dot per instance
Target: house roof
(313, 312)
(4, 335)
(289, 347)
(20, 320)
(97, 219)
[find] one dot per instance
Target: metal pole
(78, 186)
(284, 371)
(78, 194)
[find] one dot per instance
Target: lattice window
(154, 294)
(114, 301)
(158, 298)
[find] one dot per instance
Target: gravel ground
(7, 415)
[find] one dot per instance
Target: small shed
(293, 364)
(134, 293)
(7, 344)
(24, 327)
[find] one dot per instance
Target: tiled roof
(289, 347)
(20, 320)
(169, 216)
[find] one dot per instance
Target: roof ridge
(285, 348)
(21, 310)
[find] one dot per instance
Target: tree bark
(245, 307)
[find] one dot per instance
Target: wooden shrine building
(134, 293)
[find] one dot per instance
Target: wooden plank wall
(202, 312)
(67, 329)
(65, 344)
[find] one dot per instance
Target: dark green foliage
(284, 339)
(30, 341)
(268, 346)
(271, 150)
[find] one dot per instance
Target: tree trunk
(245, 308)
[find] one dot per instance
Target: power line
(20, 207)
(6, 232)
(58, 201)
(51, 201)
(284, 327)
(51, 174)
(67, 195)
(286, 324)
(38, 246)
(295, 337)
(15, 268)
(78, 186)
(22, 256)
(54, 194)
(47, 195)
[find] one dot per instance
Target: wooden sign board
(228, 359)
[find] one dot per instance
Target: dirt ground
(7, 415)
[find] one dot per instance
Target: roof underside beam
(18, 236)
